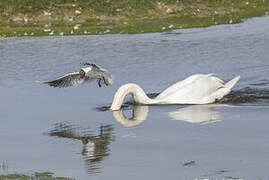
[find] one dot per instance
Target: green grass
(35, 176)
(120, 16)
(92, 21)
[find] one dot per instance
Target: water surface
(65, 132)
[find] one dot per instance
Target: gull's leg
(99, 83)
(105, 81)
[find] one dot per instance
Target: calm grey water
(63, 131)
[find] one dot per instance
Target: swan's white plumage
(193, 90)
(196, 89)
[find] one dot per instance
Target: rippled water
(67, 131)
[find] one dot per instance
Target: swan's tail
(231, 83)
(220, 93)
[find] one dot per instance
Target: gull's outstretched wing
(70, 79)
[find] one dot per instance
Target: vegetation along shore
(84, 17)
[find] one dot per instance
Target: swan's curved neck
(136, 91)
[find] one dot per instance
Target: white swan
(196, 89)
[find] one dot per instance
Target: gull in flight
(88, 73)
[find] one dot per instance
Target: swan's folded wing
(67, 80)
(195, 89)
(179, 85)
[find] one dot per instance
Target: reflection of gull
(95, 147)
(88, 73)
(138, 116)
(197, 114)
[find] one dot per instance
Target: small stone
(47, 30)
(71, 18)
(168, 10)
(76, 26)
(171, 26)
(190, 163)
(78, 12)
(47, 13)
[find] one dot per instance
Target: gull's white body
(196, 89)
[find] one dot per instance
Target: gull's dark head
(82, 73)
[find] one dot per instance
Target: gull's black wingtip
(54, 84)
(89, 64)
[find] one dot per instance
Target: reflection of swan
(95, 147)
(139, 115)
(196, 89)
(197, 114)
(85, 74)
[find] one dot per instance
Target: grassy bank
(77, 17)
(35, 176)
